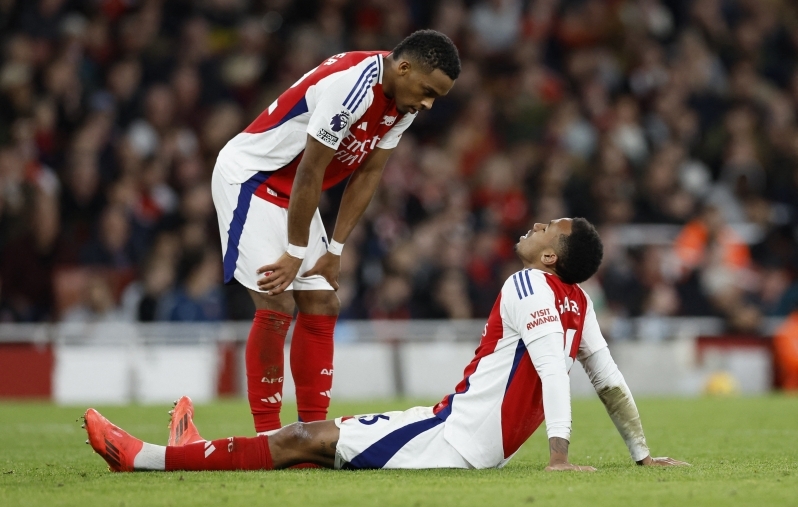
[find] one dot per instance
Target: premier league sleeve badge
(340, 121)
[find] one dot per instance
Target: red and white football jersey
(499, 403)
(340, 103)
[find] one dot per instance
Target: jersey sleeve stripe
(528, 282)
(364, 89)
(379, 68)
(516, 288)
(358, 85)
(523, 286)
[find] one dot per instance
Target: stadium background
(671, 124)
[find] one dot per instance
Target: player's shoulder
(347, 77)
(537, 284)
(353, 62)
(527, 284)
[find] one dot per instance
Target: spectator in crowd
(98, 304)
(675, 114)
(111, 247)
(144, 300)
(28, 263)
(199, 298)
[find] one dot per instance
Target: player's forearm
(305, 196)
(547, 357)
(306, 190)
(613, 391)
(358, 194)
(557, 404)
(622, 410)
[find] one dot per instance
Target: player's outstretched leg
(117, 447)
(297, 443)
(181, 424)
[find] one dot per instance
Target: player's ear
(548, 257)
(403, 68)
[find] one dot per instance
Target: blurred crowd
(662, 112)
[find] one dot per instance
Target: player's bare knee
(292, 439)
(318, 302)
(283, 303)
(332, 305)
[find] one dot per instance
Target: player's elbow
(603, 372)
(551, 368)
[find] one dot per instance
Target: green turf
(744, 452)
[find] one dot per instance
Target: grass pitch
(744, 452)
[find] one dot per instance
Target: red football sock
(264, 359)
(312, 364)
(234, 453)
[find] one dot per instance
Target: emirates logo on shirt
(353, 150)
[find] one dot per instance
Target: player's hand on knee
(278, 276)
(328, 266)
(662, 462)
(569, 467)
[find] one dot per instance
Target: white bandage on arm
(335, 247)
(549, 361)
(297, 252)
(617, 398)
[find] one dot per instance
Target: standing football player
(342, 118)
(541, 323)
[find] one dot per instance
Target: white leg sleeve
(617, 398)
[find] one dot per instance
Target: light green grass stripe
(744, 452)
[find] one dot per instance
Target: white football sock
(151, 457)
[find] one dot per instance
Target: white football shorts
(254, 233)
(412, 439)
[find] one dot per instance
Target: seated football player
(541, 323)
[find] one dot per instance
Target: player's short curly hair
(432, 49)
(580, 252)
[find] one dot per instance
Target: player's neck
(388, 76)
(540, 266)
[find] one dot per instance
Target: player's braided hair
(432, 49)
(580, 253)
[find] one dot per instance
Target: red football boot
(115, 445)
(181, 425)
